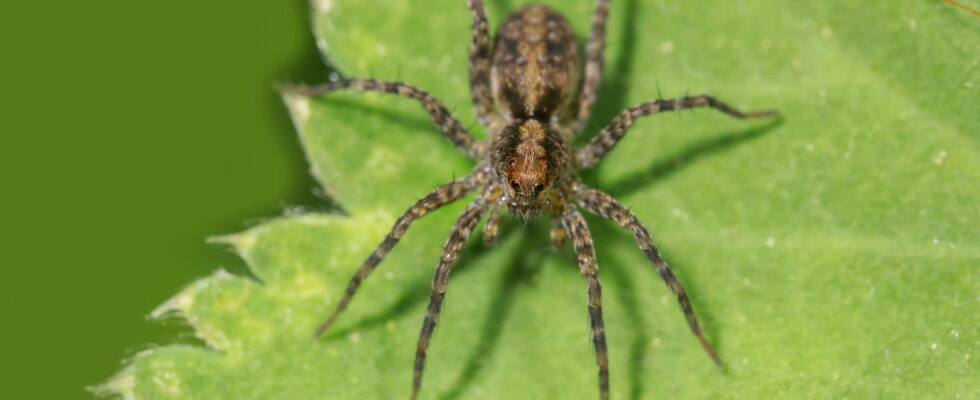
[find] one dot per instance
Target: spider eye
(538, 188)
(515, 186)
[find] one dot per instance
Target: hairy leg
(438, 197)
(444, 120)
(557, 231)
(480, 61)
(606, 206)
(607, 138)
(578, 231)
(593, 64)
(492, 227)
(450, 254)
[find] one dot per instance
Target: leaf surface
(831, 255)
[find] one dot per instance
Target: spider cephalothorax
(524, 86)
(528, 158)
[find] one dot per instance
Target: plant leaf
(830, 255)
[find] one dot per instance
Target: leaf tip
(121, 385)
(242, 243)
(173, 307)
(322, 6)
(299, 107)
(182, 302)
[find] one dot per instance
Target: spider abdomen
(535, 69)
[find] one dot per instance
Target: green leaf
(830, 255)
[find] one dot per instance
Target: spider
(529, 93)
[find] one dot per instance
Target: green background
(131, 132)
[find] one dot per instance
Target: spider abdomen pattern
(535, 64)
(532, 92)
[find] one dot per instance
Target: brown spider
(525, 91)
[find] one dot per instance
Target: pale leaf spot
(323, 6)
(299, 107)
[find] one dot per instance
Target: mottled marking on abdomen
(535, 63)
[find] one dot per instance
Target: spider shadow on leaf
(669, 165)
(622, 280)
(521, 267)
(417, 291)
(619, 275)
(616, 82)
(502, 5)
(410, 120)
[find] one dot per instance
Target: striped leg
(450, 254)
(585, 255)
(607, 138)
(557, 232)
(603, 204)
(444, 120)
(593, 64)
(480, 61)
(438, 197)
(491, 228)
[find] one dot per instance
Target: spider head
(526, 158)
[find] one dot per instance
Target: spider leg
(444, 120)
(480, 61)
(492, 227)
(557, 232)
(450, 254)
(606, 206)
(593, 64)
(585, 255)
(437, 198)
(607, 138)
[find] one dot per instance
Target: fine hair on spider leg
(605, 205)
(467, 220)
(437, 198)
(532, 93)
(578, 230)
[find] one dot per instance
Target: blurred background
(130, 133)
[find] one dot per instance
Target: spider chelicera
(529, 92)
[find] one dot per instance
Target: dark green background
(131, 132)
